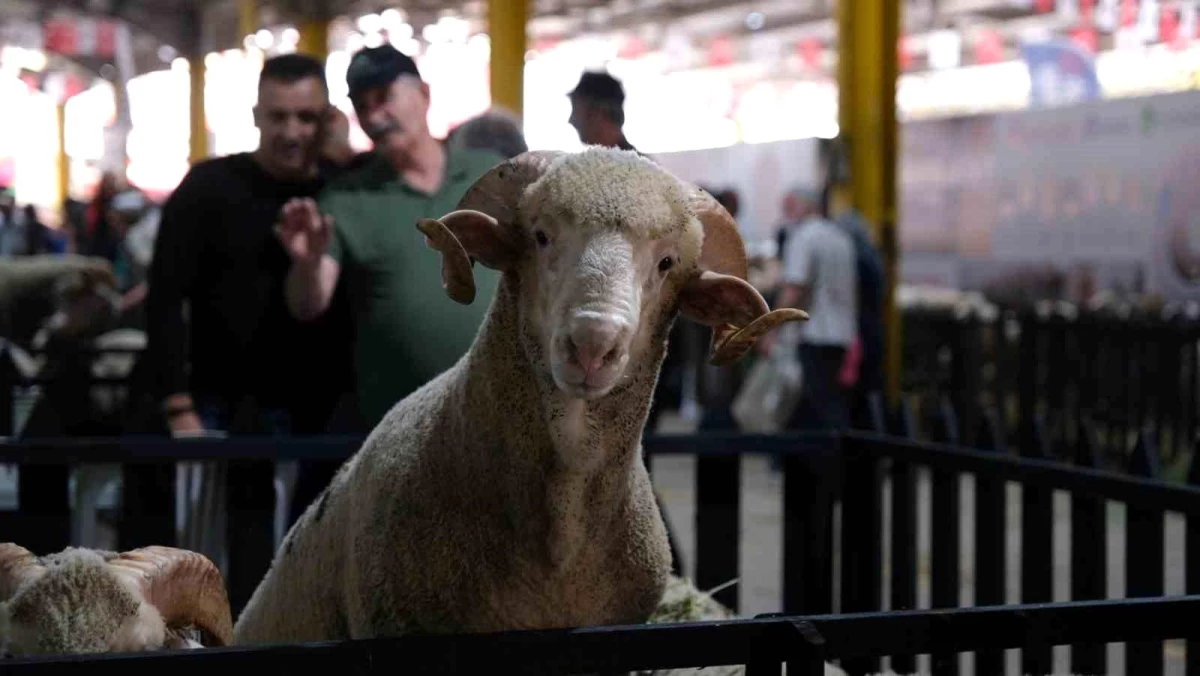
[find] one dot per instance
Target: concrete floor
(761, 538)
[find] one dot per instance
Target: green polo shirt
(408, 329)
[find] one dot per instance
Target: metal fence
(858, 473)
(763, 644)
(1049, 376)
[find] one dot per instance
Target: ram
(88, 601)
(509, 492)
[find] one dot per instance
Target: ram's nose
(597, 341)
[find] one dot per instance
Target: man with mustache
(363, 238)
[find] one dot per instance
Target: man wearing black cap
(363, 237)
(598, 111)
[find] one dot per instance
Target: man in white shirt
(820, 276)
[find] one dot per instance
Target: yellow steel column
(64, 161)
(199, 123)
(247, 17)
(314, 37)
(506, 29)
(868, 34)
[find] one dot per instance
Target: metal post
(506, 27)
(314, 37)
(64, 161)
(247, 17)
(867, 70)
(199, 124)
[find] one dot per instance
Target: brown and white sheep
(509, 492)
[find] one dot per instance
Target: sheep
(87, 601)
(29, 283)
(509, 492)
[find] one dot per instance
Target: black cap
(376, 67)
(599, 87)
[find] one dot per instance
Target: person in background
(98, 240)
(819, 275)
(253, 367)
(871, 285)
(496, 130)
(40, 238)
(217, 253)
(598, 111)
(135, 218)
(362, 238)
(12, 225)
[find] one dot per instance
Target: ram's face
(602, 249)
(600, 282)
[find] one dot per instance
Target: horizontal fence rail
(763, 644)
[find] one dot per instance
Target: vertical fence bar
(718, 525)
(904, 531)
(8, 383)
(990, 534)
(250, 500)
(1027, 377)
(1191, 559)
(945, 550)
(807, 535)
(965, 377)
(1144, 555)
(147, 505)
(862, 541)
(1037, 547)
(1056, 378)
(1089, 553)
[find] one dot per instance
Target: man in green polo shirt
(363, 234)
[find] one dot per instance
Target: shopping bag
(770, 392)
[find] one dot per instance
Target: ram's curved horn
(17, 566)
(723, 250)
(186, 587)
(497, 192)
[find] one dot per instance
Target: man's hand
(303, 231)
(185, 425)
(182, 419)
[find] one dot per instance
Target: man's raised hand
(304, 231)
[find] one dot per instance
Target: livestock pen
(854, 499)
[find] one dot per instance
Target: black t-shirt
(216, 250)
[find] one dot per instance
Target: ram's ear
(462, 237)
(735, 310)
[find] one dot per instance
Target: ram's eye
(541, 238)
(665, 264)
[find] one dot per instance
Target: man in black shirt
(239, 362)
(216, 251)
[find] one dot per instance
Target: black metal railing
(764, 644)
(1051, 375)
